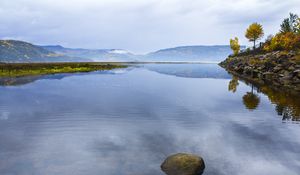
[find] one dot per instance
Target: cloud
(137, 25)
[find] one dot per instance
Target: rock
(286, 73)
(268, 75)
(295, 80)
(277, 69)
(291, 68)
(183, 164)
(297, 73)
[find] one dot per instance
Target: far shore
(28, 69)
(118, 62)
(43, 68)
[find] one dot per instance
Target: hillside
(191, 53)
(20, 51)
(94, 54)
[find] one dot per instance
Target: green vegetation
(254, 32)
(235, 46)
(290, 24)
(26, 69)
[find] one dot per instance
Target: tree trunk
(254, 45)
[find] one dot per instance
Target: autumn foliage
(288, 38)
(254, 32)
(283, 41)
(235, 46)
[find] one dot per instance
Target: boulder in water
(183, 164)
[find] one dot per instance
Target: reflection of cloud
(4, 115)
(190, 70)
(81, 127)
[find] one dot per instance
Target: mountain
(191, 53)
(20, 51)
(94, 54)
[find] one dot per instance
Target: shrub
(283, 41)
(235, 46)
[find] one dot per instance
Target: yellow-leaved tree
(254, 32)
(235, 46)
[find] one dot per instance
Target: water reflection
(190, 70)
(233, 84)
(128, 123)
(18, 81)
(286, 104)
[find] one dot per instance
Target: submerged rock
(183, 164)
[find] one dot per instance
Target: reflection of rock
(183, 164)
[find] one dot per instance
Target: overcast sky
(138, 25)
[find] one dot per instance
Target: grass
(27, 69)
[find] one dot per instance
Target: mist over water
(127, 121)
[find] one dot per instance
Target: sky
(139, 26)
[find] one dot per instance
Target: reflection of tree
(233, 84)
(286, 112)
(251, 100)
(287, 105)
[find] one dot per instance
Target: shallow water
(125, 122)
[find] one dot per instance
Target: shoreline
(280, 70)
(31, 69)
(44, 68)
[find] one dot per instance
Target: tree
(254, 32)
(290, 24)
(298, 26)
(285, 26)
(235, 46)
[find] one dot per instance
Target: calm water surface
(125, 122)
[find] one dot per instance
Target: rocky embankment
(277, 69)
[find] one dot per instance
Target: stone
(297, 73)
(268, 75)
(277, 69)
(286, 73)
(291, 68)
(183, 164)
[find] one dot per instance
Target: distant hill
(191, 53)
(94, 54)
(20, 51)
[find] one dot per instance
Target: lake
(127, 121)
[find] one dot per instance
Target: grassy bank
(26, 69)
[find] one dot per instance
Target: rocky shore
(278, 69)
